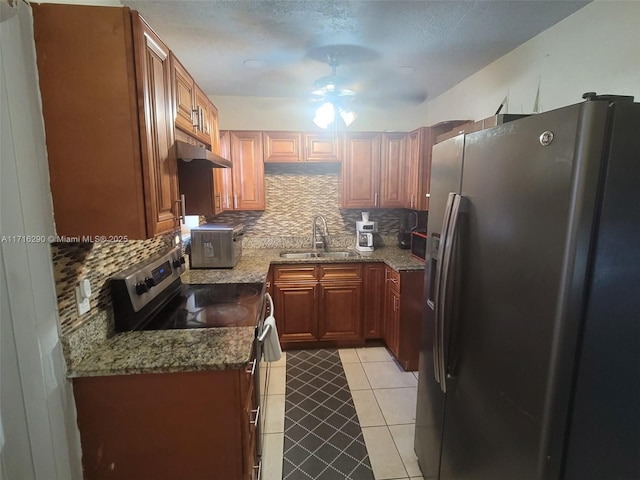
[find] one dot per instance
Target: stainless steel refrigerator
(530, 354)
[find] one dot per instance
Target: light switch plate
(83, 303)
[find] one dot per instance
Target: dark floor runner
(322, 436)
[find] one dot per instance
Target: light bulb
(324, 115)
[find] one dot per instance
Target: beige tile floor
(385, 399)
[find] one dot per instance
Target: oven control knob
(149, 282)
(178, 262)
(141, 288)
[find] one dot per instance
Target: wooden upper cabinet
(112, 166)
(202, 117)
(183, 96)
(159, 163)
(294, 147)
(393, 175)
(214, 129)
(361, 170)
(282, 147)
(419, 162)
(321, 147)
(248, 170)
(193, 112)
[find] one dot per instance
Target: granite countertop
(254, 265)
(166, 351)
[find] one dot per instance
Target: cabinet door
(392, 320)
(282, 147)
(214, 129)
(248, 170)
(361, 170)
(321, 147)
(183, 96)
(411, 170)
(202, 117)
(296, 312)
(159, 161)
(223, 177)
(392, 170)
(373, 305)
(340, 311)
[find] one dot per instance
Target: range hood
(188, 153)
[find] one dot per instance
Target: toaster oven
(216, 245)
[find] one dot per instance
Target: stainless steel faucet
(314, 234)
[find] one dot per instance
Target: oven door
(262, 375)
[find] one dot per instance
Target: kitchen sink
(320, 254)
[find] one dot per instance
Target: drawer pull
(257, 470)
(252, 370)
(254, 422)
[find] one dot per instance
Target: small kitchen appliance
(410, 221)
(364, 233)
(216, 245)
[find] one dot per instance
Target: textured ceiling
(444, 41)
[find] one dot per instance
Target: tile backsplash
(294, 194)
(96, 262)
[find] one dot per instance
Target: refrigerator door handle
(438, 287)
(448, 262)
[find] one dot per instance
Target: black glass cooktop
(211, 305)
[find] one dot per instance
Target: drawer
(295, 273)
(393, 278)
(247, 377)
(341, 272)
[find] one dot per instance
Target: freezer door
(446, 177)
(518, 189)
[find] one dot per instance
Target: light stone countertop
(166, 351)
(254, 265)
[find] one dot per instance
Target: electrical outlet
(83, 303)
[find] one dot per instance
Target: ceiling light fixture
(326, 114)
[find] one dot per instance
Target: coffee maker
(364, 234)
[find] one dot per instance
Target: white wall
(264, 113)
(595, 49)
(40, 440)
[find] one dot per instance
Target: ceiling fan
(332, 90)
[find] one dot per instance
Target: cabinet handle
(252, 370)
(427, 195)
(183, 209)
(254, 422)
(235, 201)
(196, 112)
(375, 200)
(256, 471)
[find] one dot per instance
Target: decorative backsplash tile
(95, 262)
(294, 194)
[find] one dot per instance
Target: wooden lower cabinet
(403, 293)
(318, 304)
(296, 312)
(166, 426)
(374, 300)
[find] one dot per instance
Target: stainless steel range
(151, 296)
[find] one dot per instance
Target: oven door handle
(265, 332)
(270, 300)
